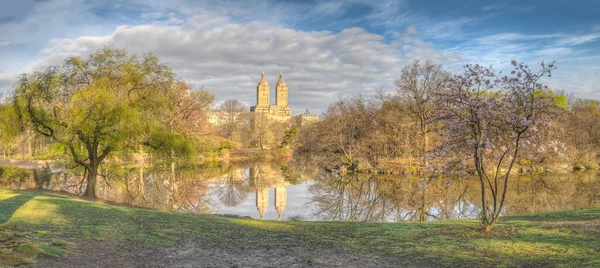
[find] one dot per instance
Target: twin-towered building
(281, 110)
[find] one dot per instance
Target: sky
(326, 50)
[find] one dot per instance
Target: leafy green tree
(290, 137)
(104, 104)
(9, 129)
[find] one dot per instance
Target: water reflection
(389, 199)
(268, 191)
(263, 177)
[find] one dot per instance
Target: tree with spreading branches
(109, 102)
(487, 121)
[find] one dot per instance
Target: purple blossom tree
(486, 120)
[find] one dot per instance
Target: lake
(304, 192)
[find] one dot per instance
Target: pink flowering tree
(486, 121)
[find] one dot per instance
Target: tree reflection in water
(363, 197)
(233, 189)
(387, 199)
(212, 188)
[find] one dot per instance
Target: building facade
(307, 118)
(281, 110)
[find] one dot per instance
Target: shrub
(13, 175)
(209, 145)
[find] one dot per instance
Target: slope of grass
(52, 224)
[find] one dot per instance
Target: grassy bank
(41, 223)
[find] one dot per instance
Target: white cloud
(493, 7)
(510, 37)
(554, 51)
(228, 58)
(576, 67)
(411, 30)
(225, 45)
(6, 83)
(47, 19)
(572, 40)
(151, 15)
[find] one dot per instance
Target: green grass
(56, 224)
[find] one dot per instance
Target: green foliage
(110, 103)
(212, 145)
(559, 100)
(290, 137)
(103, 102)
(10, 175)
(166, 144)
(290, 176)
(210, 155)
(9, 124)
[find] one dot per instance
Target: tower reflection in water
(262, 178)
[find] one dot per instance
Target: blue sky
(326, 49)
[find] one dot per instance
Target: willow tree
(8, 130)
(101, 105)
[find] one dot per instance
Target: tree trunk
(90, 189)
(425, 144)
(423, 215)
(29, 146)
(142, 182)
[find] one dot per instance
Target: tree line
(479, 123)
(404, 127)
(116, 105)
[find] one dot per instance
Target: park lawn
(35, 223)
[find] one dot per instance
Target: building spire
(263, 80)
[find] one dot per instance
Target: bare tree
(230, 117)
(415, 86)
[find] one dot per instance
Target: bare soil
(195, 254)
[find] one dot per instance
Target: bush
(213, 145)
(13, 175)
(210, 155)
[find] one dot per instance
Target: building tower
(280, 198)
(281, 92)
(263, 95)
(281, 111)
(281, 98)
(262, 201)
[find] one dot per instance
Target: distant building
(216, 117)
(220, 117)
(307, 118)
(281, 110)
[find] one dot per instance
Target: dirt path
(193, 254)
